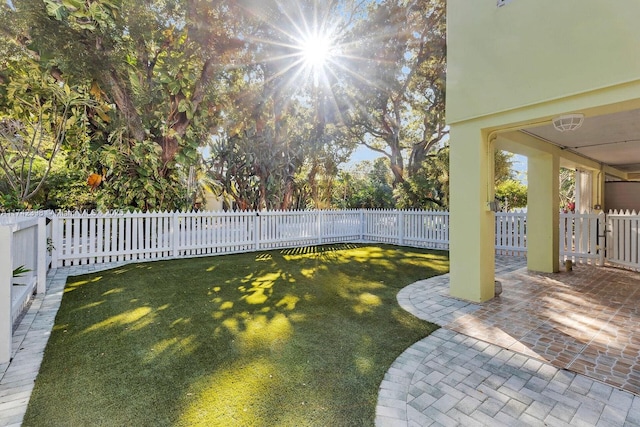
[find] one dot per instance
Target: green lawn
(288, 338)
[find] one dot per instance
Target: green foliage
(428, 188)
(567, 186)
(503, 168)
(134, 179)
(368, 186)
(39, 118)
(10, 201)
(66, 189)
(20, 271)
(157, 63)
(512, 194)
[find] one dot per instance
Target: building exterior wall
(533, 51)
(518, 66)
(622, 196)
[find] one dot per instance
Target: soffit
(612, 139)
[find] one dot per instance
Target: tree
(398, 95)
(368, 185)
(429, 187)
(169, 77)
(158, 63)
(512, 193)
(39, 117)
(280, 111)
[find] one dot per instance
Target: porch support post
(6, 268)
(597, 188)
(472, 224)
(543, 213)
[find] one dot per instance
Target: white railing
(582, 237)
(23, 246)
(623, 239)
(86, 238)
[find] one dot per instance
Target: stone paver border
(29, 341)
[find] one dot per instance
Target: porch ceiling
(612, 139)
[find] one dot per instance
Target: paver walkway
(473, 378)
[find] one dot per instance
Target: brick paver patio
(509, 361)
(586, 321)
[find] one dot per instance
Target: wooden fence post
(56, 241)
(42, 256)
(174, 233)
(401, 227)
(602, 230)
(256, 230)
(319, 227)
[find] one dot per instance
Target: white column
(6, 272)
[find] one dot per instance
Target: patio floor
(509, 361)
(586, 320)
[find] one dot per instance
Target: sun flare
(316, 50)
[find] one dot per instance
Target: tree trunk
(313, 183)
(397, 162)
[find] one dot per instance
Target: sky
(363, 153)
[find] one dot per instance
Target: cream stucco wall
(532, 51)
(514, 67)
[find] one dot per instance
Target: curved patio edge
(449, 378)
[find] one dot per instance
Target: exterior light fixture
(568, 122)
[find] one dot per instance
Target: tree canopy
(257, 101)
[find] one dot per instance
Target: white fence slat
(6, 318)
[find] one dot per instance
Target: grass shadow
(290, 337)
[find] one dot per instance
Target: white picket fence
(623, 239)
(582, 237)
(424, 229)
(511, 233)
(80, 238)
(87, 238)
